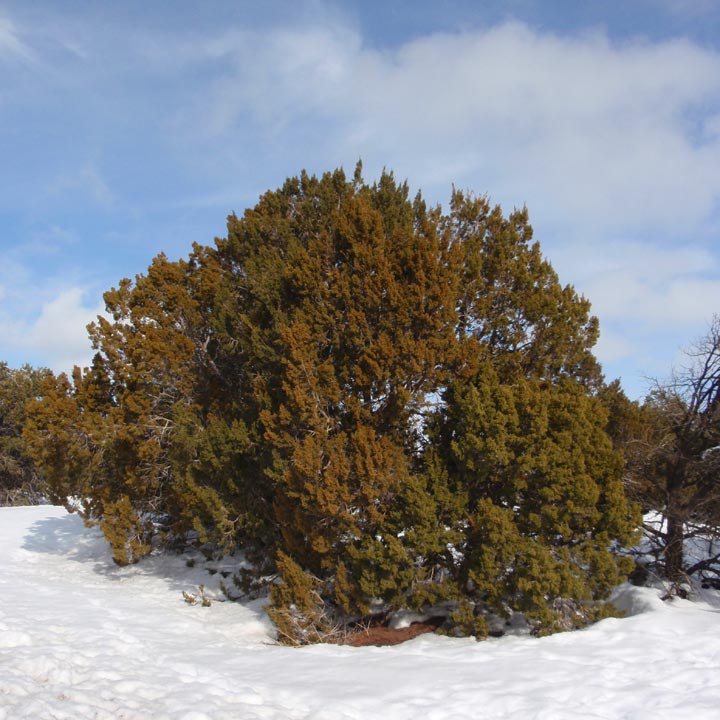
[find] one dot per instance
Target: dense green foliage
(542, 488)
(385, 405)
(20, 482)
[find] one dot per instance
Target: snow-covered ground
(80, 638)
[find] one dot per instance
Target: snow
(80, 638)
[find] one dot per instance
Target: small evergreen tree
(543, 493)
(136, 437)
(520, 435)
(20, 481)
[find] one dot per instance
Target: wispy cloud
(668, 288)
(651, 300)
(11, 44)
(86, 180)
(44, 307)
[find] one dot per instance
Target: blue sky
(131, 128)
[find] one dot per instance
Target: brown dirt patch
(380, 635)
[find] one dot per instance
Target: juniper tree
(132, 436)
(542, 488)
(20, 481)
(276, 392)
(346, 292)
(520, 435)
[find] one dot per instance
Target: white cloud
(648, 286)
(57, 334)
(10, 43)
(614, 347)
(652, 301)
(273, 76)
(587, 131)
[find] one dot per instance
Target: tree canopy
(20, 481)
(385, 405)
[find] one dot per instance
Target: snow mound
(632, 600)
(81, 639)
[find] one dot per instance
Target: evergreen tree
(520, 435)
(20, 481)
(277, 392)
(542, 487)
(512, 306)
(346, 301)
(136, 436)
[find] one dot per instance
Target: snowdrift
(81, 638)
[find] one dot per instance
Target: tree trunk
(674, 537)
